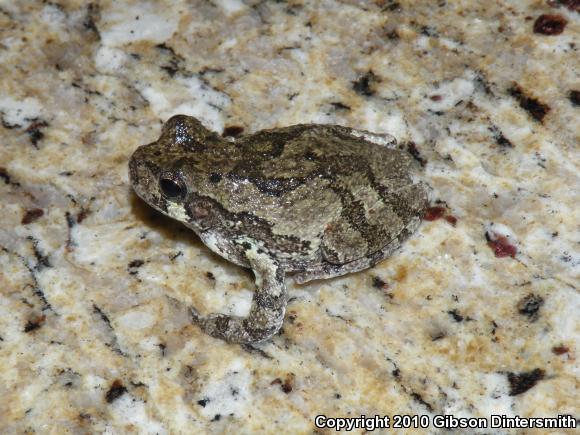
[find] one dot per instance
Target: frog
(307, 201)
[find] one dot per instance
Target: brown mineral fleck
(550, 24)
(32, 215)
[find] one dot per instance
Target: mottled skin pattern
(315, 200)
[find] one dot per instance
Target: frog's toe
(234, 329)
(268, 304)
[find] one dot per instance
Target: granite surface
(476, 315)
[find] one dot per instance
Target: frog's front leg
(268, 304)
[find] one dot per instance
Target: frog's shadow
(172, 230)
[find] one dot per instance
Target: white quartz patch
(230, 7)
(110, 59)
(19, 112)
(144, 21)
(228, 394)
(53, 16)
(496, 230)
(188, 96)
(136, 319)
(132, 413)
(449, 93)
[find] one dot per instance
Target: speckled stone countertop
(476, 315)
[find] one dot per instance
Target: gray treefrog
(315, 201)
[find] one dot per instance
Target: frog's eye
(172, 187)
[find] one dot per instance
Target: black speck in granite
(117, 390)
(365, 84)
(70, 221)
(216, 417)
(482, 84)
(530, 306)
(533, 106)
(337, 105)
(523, 381)
(4, 176)
(456, 316)
(574, 97)
(173, 65)
(499, 138)
(7, 178)
(42, 261)
(550, 25)
(392, 6)
(257, 351)
(102, 315)
(378, 283)
(162, 347)
(203, 402)
(36, 290)
(414, 151)
(171, 68)
(7, 125)
(209, 70)
(429, 31)
(566, 257)
(392, 35)
(173, 257)
(34, 131)
(134, 265)
(34, 323)
(82, 214)
(92, 16)
(419, 399)
(438, 335)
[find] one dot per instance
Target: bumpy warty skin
(310, 193)
(316, 200)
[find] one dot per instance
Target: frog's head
(166, 174)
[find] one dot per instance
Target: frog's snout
(140, 175)
(134, 168)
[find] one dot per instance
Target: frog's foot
(268, 305)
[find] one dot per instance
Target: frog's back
(320, 194)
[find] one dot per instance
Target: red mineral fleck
(550, 24)
(434, 213)
(560, 350)
(451, 219)
(502, 247)
(32, 215)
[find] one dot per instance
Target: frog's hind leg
(328, 270)
(268, 304)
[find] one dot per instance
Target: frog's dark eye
(172, 187)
